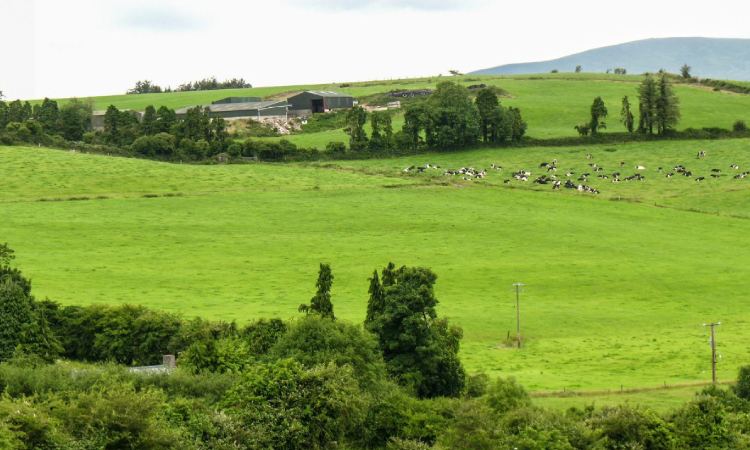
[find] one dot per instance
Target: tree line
(206, 84)
(315, 382)
(658, 110)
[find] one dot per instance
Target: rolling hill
(709, 58)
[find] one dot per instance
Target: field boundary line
(622, 390)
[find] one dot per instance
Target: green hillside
(244, 241)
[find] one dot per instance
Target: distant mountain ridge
(717, 58)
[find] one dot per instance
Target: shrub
(739, 126)
(742, 389)
(231, 355)
(504, 395)
(626, 427)
(262, 334)
(703, 423)
(314, 340)
(476, 385)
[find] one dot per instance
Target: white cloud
(98, 47)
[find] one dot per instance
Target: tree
(419, 349)
(381, 136)
(144, 87)
(578, 69)
(667, 108)
(626, 116)
(148, 122)
(15, 317)
(376, 302)
(112, 123)
(518, 126)
(414, 124)
(455, 73)
(487, 103)
(75, 119)
(321, 302)
(598, 112)
(685, 71)
(451, 119)
(356, 118)
(48, 114)
(165, 119)
(647, 97)
(3, 115)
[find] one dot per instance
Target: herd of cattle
(551, 177)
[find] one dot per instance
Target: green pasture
(616, 291)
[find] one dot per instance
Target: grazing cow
(739, 176)
(542, 165)
(592, 165)
(640, 168)
(735, 167)
(506, 182)
(670, 175)
(659, 169)
(615, 180)
(580, 188)
(554, 162)
(622, 164)
(556, 186)
(598, 169)
(583, 179)
(699, 179)
(589, 156)
(701, 154)
(716, 170)
(569, 174)
(688, 174)
(713, 175)
(524, 179)
(603, 177)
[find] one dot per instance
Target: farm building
(246, 110)
(237, 100)
(310, 102)
(97, 118)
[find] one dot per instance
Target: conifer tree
(626, 116)
(598, 112)
(667, 107)
(321, 302)
(647, 97)
(15, 317)
(375, 304)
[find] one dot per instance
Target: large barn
(310, 102)
(245, 110)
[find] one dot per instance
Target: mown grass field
(616, 291)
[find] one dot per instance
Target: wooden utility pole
(518, 291)
(713, 348)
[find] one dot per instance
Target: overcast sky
(61, 48)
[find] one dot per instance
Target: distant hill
(709, 57)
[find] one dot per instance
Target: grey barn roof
(226, 107)
(329, 94)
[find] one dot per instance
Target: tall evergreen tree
(626, 116)
(667, 111)
(321, 302)
(414, 124)
(375, 303)
(3, 115)
(518, 125)
(166, 118)
(112, 123)
(15, 112)
(15, 317)
(647, 97)
(48, 115)
(598, 112)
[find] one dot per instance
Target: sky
(65, 48)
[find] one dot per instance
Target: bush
(626, 427)
(314, 340)
(742, 389)
(476, 385)
(703, 423)
(231, 355)
(739, 126)
(504, 395)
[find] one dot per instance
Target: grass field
(616, 291)
(552, 104)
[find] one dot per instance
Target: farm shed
(247, 110)
(237, 100)
(97, 118)
(310, 102)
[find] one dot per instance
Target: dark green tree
(3, 115)
(578, 69)
(487, 105)
(48, 115)
(419, 349)
(518, 125)
(647, 97)
(75, 119)
(166, 119)
(375, 303)
(16, 112)
(685, 71)
(626, 116)
(148, 122)
(414, 124)
(598, 112)
(381, 137)
(452, 119)
(112, 123)
(15, 317)
(321, 302)
(667, 112)
(356, 118)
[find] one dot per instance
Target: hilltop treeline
(316, 382)
(206, 84)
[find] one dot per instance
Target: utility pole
(518, 291)
(713, 348)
